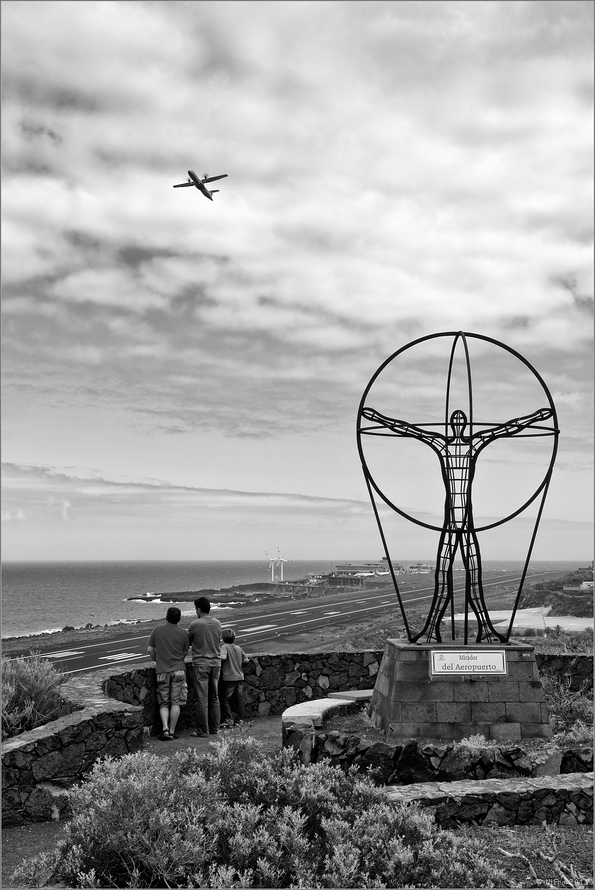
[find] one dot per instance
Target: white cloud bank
(395, 169)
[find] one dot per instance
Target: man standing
(168, 645)
(205, 637)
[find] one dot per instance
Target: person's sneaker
(227, 726)
(199, 735)
(215, 732)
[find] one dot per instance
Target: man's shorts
(172, 688)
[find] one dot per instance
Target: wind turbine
(280, 562)
(272, 567)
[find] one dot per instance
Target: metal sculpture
(458, 449)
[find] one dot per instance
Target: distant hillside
(563, 602)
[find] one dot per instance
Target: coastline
(43, 642)
(223, 603)
(378, 629)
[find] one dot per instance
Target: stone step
(361, 696)
(561, 800)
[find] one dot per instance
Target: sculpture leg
(443, 588)
(474, 589)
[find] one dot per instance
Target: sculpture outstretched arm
(514, 426)
(401, 427)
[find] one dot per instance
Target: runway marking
(120, 656)
(300, 612)
(261, 627)
(332, 613)
(60, 654)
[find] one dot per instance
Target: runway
(254, 630)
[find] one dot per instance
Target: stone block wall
(276, 682)
(272, 682)
(559, 800)
(413, 761)
(38, 766)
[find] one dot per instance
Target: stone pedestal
(410, 702)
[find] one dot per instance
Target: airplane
(199, 183)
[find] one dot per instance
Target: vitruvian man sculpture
(457, 448)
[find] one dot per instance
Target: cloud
(394, 170)
(47, 487)
(7, 516)
(155, 519)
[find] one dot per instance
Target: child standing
(231, 682)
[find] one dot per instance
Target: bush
(235, 817)
(30, 694)
(568, 710)
(558, 640)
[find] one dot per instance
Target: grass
(30, 694)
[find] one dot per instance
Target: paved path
(266, 730)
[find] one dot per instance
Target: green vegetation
(30, 694)
(557, 640)
(235, 817)
(571, 713)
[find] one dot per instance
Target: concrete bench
(315, 713)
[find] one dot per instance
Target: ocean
(40, 597)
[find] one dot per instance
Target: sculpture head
(458, 422)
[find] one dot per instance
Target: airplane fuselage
(199, 185)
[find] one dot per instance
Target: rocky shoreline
(222, 594)
(98, 633)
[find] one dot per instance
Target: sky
(182, 378)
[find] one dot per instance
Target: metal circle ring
(456, 335)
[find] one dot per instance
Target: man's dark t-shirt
(171, 644)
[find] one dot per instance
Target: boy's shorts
(172, 688)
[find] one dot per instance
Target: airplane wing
(213, 178)
(183, 185)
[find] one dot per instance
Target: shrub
(568, 710)
(559, 640)
(235, 817)
(30, 694)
